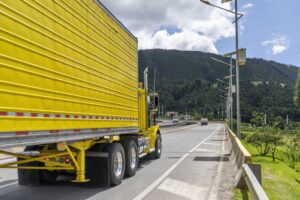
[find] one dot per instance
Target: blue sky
(269, 20)
(269, 30)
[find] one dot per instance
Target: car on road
(175, 120)
(203, 121)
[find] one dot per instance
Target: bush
(197, 116)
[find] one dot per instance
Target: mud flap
(97, 169)
(27, 176)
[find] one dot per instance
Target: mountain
(186, 82)
(191, 65)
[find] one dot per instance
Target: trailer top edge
(98, 2)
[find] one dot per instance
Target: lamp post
(237, 17)
(238, 112)
(228, 100)
(230, 87)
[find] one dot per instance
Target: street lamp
(224, 101)
(220, 61)
(230, 87)
(237, 17)
(223, 91)
(222, 81)
(210, 4)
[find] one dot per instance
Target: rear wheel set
(120, 160)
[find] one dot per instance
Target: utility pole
(265, 119)
(231, 100)
(287, 119)
(154, 85)
(237, 17)
(237, 72)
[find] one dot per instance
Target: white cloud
(245, 10)
(186, 39)
(247, 6)
(200, 26)
(277, 49)
(278, 44)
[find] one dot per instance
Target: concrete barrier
(246, 173)
(239, 154)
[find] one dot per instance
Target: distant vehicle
(204, 121)
(187, 117)
(175, 120)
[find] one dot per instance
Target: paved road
(194, 165)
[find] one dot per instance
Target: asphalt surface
(194, 165)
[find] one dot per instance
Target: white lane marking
(205, 150)
(214, 191)
(163, 176)
(209, 143)
(183, 189)
(9, 184)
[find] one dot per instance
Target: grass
(280, 182)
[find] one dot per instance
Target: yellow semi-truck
(69, 92)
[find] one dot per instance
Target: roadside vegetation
(276, 146)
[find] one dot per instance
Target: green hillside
(186, 81)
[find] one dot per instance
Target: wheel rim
(132, 158)
(159, 146)
(118, 164)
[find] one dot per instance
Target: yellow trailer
(69, 91)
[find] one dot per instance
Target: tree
(266, 140)
(297, 91)
(293, 148)
(257, 119)
(278, 122)
(276, 140)
(261, 140)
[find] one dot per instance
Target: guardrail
(242, 160)
(256, 191)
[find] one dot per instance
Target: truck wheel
(158, 146)
(131, 157)
(116, 163)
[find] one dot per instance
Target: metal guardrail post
(256, 190)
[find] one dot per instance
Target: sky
(270, 29)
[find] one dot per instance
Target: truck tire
(34, 177)
(158, 146)
(116, 163)
(131, 157)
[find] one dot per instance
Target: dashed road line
(151, 187)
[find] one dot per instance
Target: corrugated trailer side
(65, 65)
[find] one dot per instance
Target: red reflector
(19, 114)
(34, 114)
(22, 133)
(3, 113)
(67, 160)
